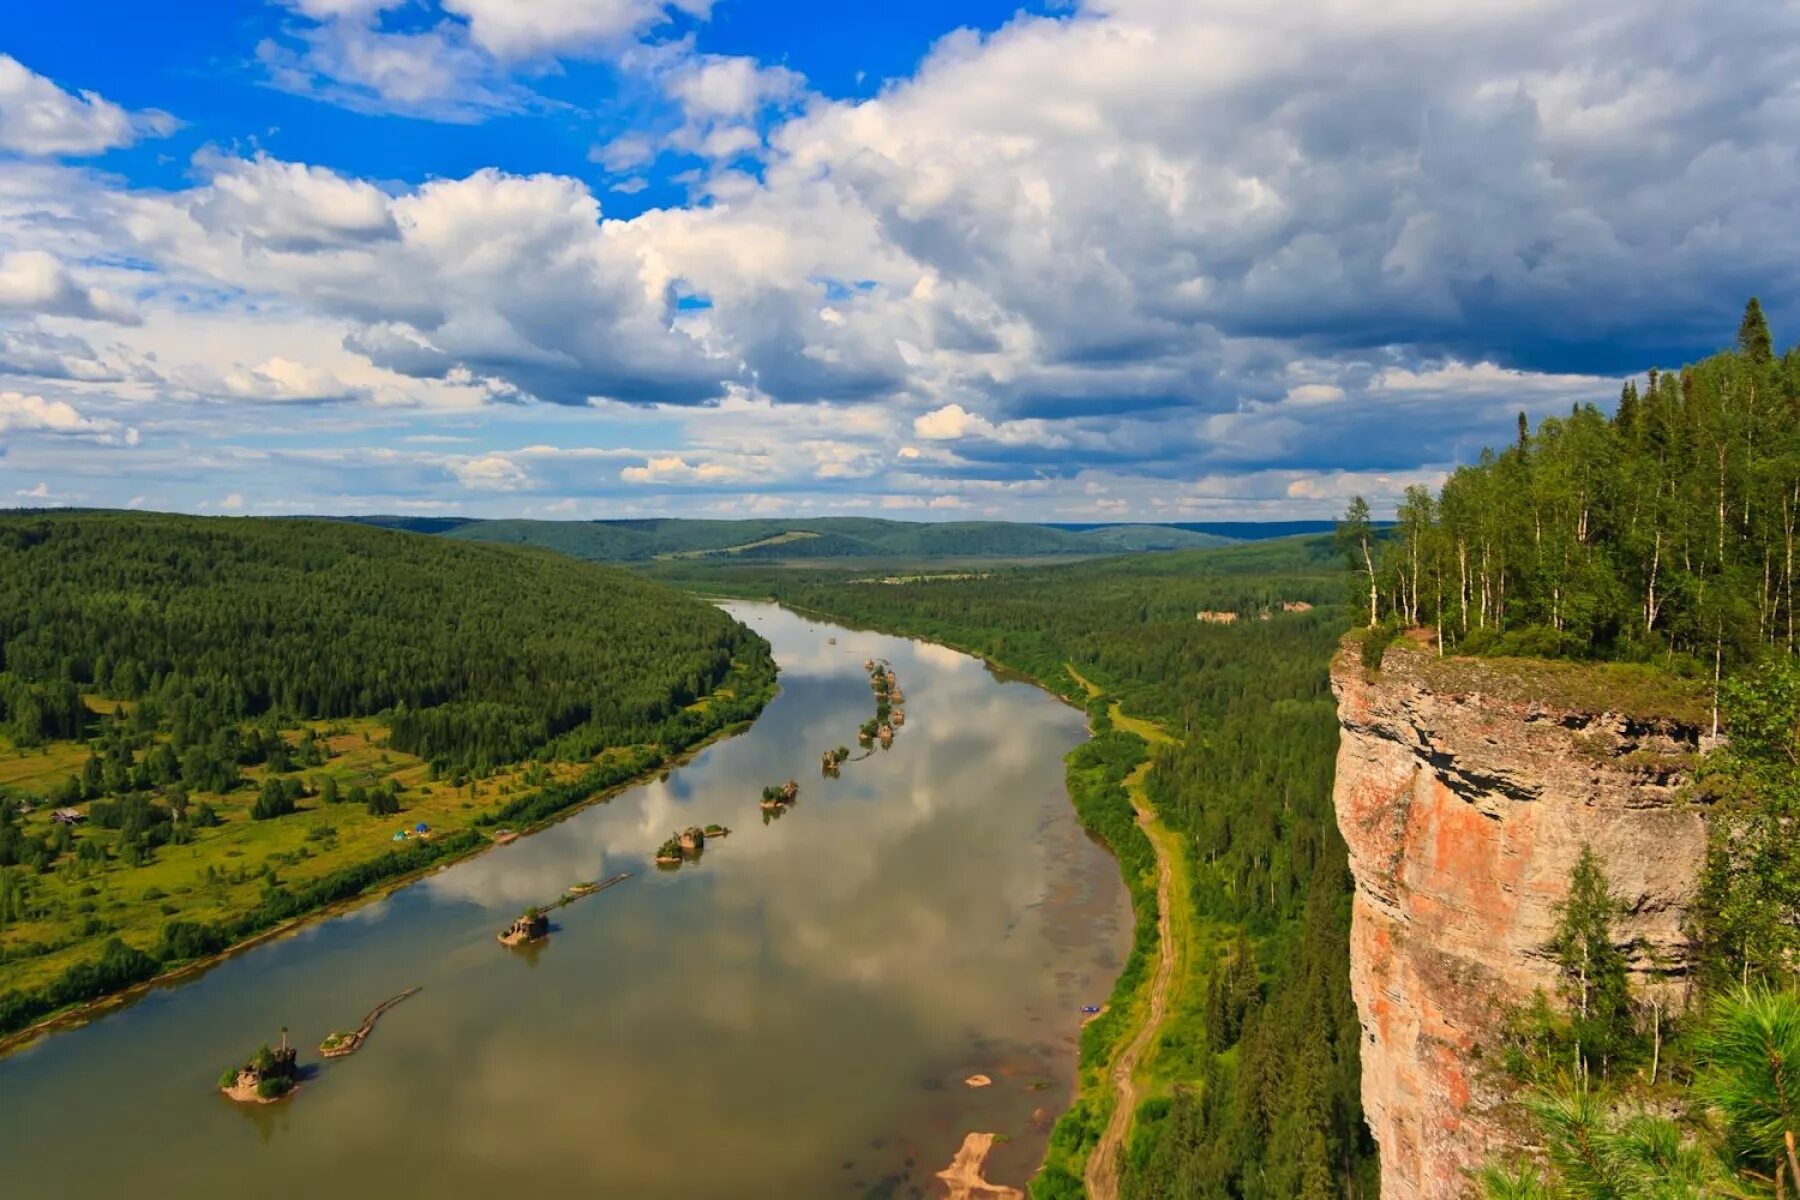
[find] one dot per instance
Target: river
(793, 1016)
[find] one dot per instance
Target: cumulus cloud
(1139, 239)
(510, 29)
(20, 413)
(953, 422)
(39, 118)
(38, 284)
(282, 206)
(673, 468)
(514, 278)
(489, 473)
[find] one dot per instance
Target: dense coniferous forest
(1259, 1069)
(476, 655)
(1665, 531)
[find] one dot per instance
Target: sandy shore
(963, 1175)
(247, 1094)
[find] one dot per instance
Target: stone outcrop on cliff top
(1465, 791)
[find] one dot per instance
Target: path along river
(793, 1016)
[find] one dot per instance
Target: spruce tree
(1753, 340)
(1625, 419)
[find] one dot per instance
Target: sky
(1075, 260)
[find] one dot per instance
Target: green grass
(1630, 689)
(75, 908)
(135, 902)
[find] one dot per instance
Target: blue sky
(1120, 259)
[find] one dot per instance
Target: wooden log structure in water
(582, 890)
(343, 1045)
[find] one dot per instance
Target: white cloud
(1142, 239)
(953, 422)
(512, 29)
(37, 283)
(490, 473)
(624, 153)
(1482, 377)
(1308, 394)
(20, 413)
(948, 423)
(321, 10)
(39, 118)
(281, 379)
(716, 87)
(347, 58)
(673, 468)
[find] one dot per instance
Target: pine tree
(1753, 340)
(1625, 417)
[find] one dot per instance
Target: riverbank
(437, 854)
(1091, 1134)
(737, 991)
(1146, 1017)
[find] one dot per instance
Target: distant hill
(821, 538)
(1235, 531)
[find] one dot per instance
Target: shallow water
(793, 1016)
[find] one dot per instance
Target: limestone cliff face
(1465, 798)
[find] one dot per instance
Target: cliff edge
(1465, 790)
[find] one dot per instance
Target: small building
(68, 816)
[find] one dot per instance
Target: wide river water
(794, 1016)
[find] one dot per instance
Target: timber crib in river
(340, 1045)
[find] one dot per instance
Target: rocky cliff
(1465, 790)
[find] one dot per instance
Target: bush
(1375, 643)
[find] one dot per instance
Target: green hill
(480, 652)
(799, 538)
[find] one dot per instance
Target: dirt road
(1103, 1163)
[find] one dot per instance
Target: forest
(214, 622)
(209, 727)
(1664, 532)
(812, 539)
(1257, 1075)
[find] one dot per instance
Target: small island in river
(269, 1075)
(532, 926)
(685, 845)
(776, 798)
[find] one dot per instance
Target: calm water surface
(792, 1017)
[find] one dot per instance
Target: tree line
(1665, 530)
(476, 655)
